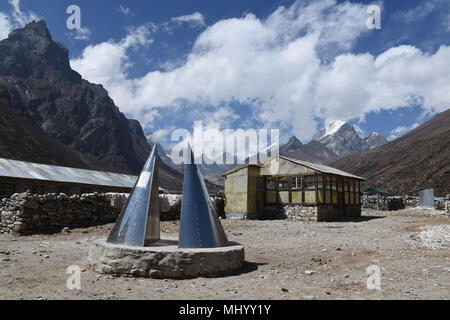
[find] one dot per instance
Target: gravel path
(285, 260)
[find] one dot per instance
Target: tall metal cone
(139, 222)
(200, 226)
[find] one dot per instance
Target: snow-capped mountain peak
(331, 128)
(343, 139)
(374, 140)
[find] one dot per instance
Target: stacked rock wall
(447, 204)
(319, 212)
(26, 213)
(393, 203)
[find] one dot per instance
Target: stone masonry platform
(165, 260)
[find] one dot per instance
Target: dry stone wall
(319, 212)
(27, 213)
(393, 203)
(447, 204)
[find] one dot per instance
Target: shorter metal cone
(200, 226)
(139, 222)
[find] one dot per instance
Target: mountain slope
(68, 111)
(67, 108)
(21, 139)
(418, 159)
(292, 145)
(374, 140)
(312, 152)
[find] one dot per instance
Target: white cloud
(276, 66)
(82, 34)
(420, 12)
(14, 19)
(19, 17)
(162, 135)
(196, 19)
(111, 69)
(126, 11)
(5, 26)
(402, 130)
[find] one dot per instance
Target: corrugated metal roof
(323, 169)
(374, 191)
(28, 170)
(239, 167)
(314, 166)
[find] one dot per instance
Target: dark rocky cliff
(73, 112)
(67, 108)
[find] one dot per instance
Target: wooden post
(303, 191)
(317, 189)
(290, 190)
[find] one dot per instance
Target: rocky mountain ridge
(343, 139)
(69, 110)
(419, 159)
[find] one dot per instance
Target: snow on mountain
(343, 139)
(374, 140)
(332, 128)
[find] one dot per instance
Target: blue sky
(262, 67)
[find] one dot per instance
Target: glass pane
(296, 183)
(283, 183)
(309, 182)
(271, 184)
(334, 183)
(340, 185)
(328, 183)
(320, 180)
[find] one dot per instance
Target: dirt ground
(285, 260)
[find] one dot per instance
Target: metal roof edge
(313, 166)
(111, 179)
(239, 167)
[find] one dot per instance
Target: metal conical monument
(139, 223)
(200, 226)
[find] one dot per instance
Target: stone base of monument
(164, 259)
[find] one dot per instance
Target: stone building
(284, 187)
(19, 176)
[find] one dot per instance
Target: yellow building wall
(335, 197)
(310, 197)
(271, 197)
(285, 168)
(328, 196)
(321, 196)
(253, 174)
(236, 192)
(297, 197)
(284, 197)
(241, 188)
(240, 191)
